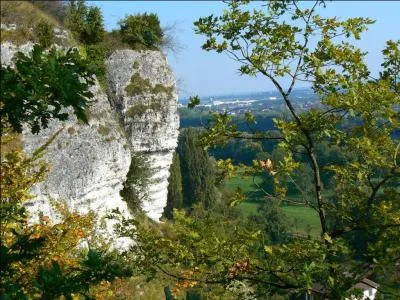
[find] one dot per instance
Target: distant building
(368, 288)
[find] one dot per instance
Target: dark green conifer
(94, 27)
(198, 171)
(175, 198)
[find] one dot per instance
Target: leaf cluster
(41, 86)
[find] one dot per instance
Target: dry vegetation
(26, 17)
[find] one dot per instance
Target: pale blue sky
(209, 73)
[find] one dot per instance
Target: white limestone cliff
(148, 115)
(89, 163)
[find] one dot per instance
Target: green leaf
(193, 101)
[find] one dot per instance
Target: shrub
(85, 23)
(142, 31)
(45, 33)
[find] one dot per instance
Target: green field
(302, 219)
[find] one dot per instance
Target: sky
(203, 73)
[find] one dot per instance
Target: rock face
(90, 163)
(142, 89)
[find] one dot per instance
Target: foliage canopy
(86, 23)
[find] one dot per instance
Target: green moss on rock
(139, 109)
(135, 65)
(140, 85)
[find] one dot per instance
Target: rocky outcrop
(142, 89)
(90, 163)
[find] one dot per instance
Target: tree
(85, 23)
(138, 178)
(198, 173)
(174, 198)
(141, 31)
(75, 18)
(266, 45)
(42, 85)
(272, 219)
(45, 34)
(94, 27)
(318, 50)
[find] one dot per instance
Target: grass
(23, 13)
(302, 219)
(27, 17)
(103, 129)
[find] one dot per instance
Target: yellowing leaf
(268, 249)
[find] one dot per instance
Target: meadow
(301, 219)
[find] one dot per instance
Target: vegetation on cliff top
(29, 20)
(37, 21)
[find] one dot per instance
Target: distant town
(262, 102)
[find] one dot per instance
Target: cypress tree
(174, 198)
(198, 172)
